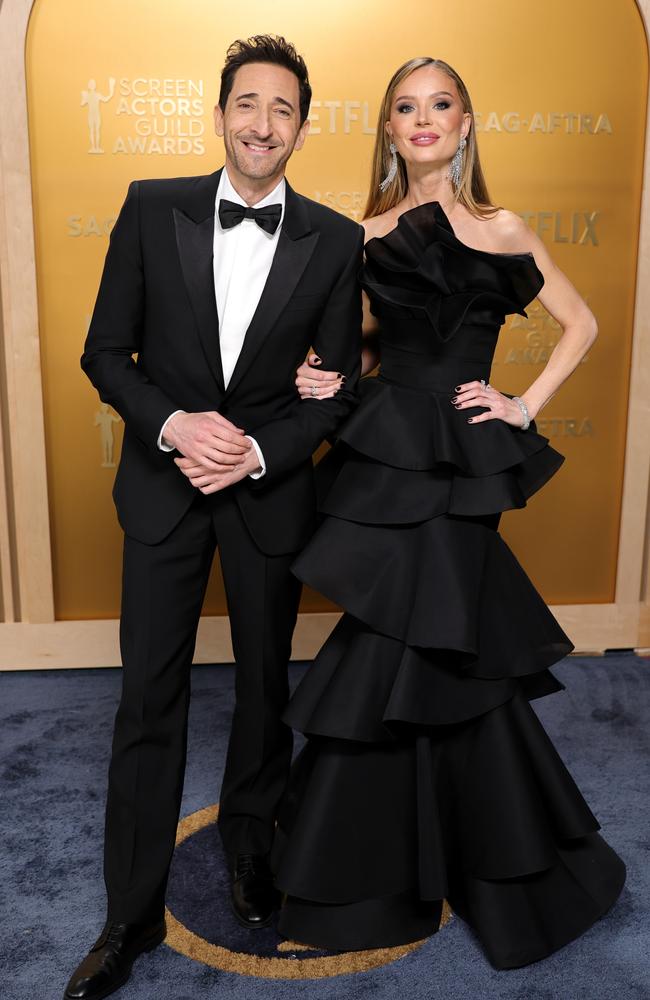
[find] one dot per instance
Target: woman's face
(427, 118)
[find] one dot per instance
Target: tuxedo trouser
(163, 589)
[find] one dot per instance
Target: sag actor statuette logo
(105, 419)
(146, 116)
(92, 98)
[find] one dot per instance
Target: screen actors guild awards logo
(93, 99)
(149, 115)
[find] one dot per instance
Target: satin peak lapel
(295, 246)
(195, 248)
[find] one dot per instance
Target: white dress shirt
(241, 263)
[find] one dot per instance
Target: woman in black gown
(426, 774)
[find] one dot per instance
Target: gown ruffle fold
(410, 455)
(426, 774)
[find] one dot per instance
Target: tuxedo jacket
(153, 347)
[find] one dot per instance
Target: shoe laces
(250, 864)
(114, 932)
(111, 934)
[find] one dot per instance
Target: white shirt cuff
(260, 456)
(162, 445)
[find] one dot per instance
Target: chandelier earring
(392, 170)
(456, 165)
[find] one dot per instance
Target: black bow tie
(267, 218)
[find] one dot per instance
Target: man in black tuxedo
(220, 285)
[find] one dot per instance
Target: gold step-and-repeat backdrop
(124, 90)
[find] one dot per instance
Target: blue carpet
(55, 731)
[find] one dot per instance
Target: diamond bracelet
(524, 412)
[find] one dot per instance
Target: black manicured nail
(454, 398)
(458, 388)
(458, 406)
(469, 420)
(343, 378)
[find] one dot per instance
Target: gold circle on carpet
(184, 941)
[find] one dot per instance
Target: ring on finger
(314, 390)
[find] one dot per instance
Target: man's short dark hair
(265, 49)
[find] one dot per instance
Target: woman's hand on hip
(481, 393)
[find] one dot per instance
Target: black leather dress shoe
(254, 897)
(107, 966)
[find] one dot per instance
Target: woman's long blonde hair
(472, 190)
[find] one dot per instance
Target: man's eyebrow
(276, 100)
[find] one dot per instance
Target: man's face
(260, 123)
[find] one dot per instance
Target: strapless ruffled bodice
(440, 305)
(439, 299)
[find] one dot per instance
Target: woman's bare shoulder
(510, 233)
